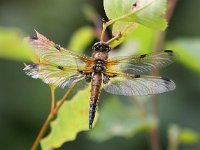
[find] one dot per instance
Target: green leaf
(177, 136)
(188, 52)
(149, 13)
(13, 46)
(145, 38)
(118, 8)
(122, 31)
(188, 136)
(140, 43)
(120, 119)
(72, 118)
(81, 39)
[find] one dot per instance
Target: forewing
(47, 52)
(138, 85)
(141, 64)
(60, 77)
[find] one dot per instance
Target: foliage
(180, 136)
(187, 49)
(71, 118)
(115, 123)
(136, 22)
(81, 39)
(130, 13)
(12, 45)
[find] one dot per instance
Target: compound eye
(108, 49)
(101, 46)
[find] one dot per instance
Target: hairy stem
(51, 114)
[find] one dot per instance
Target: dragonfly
(125, 75)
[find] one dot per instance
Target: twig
(112, 21)
(52, 87)
(51, 116)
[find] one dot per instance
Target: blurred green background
(24, 102)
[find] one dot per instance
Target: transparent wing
(138, 85)
(141, 64)
(57, 76)
(47, 52)
(54, 64)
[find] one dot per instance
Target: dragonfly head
(101, 47)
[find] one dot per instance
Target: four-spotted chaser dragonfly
(121, 75)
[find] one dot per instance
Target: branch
(154, 137)
(51, 115)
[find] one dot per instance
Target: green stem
(51, 116)
(114, 38)
(52, 87)
(110, 22)
(105, 25)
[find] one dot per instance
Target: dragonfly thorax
(98, 66)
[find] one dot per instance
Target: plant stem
(154, 138)
(173, 137)
(51, 114)
(114, 38)
(153, 134)
(52, 98)
(112, 21)
(105, 25)
(42, 131)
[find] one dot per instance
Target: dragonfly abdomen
(95, 92)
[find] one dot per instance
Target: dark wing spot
(57, 46)
(112, 76)
(142, 56)
(34, 67)
(135, 4)
(34, 38)
(60, 67)
(137, 76)
(168, 51)
(166, 79)
(80, 71)
(167, 82)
